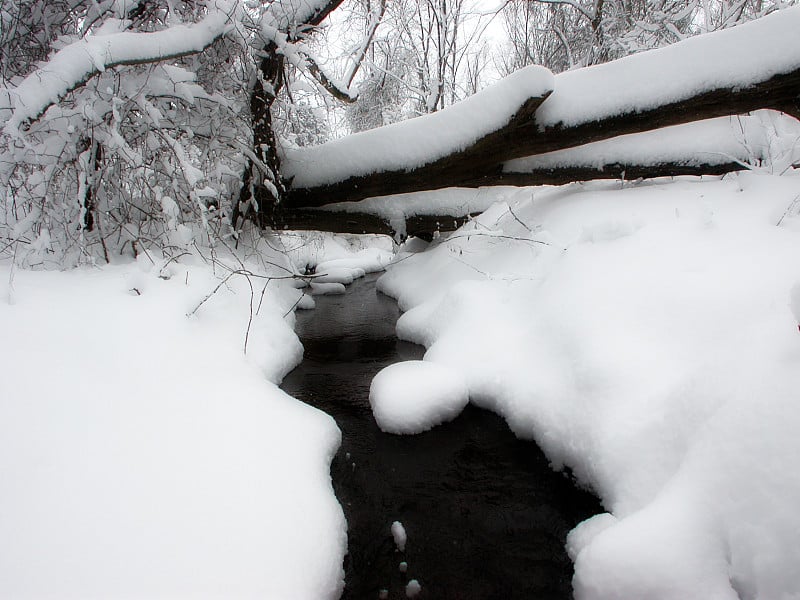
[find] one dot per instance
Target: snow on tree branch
(78, 62)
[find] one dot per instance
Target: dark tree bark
(422, 226)
(262, 187)
(627, 172)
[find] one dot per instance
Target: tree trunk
(262, 194)
(262, 187)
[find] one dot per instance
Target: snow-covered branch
(78, 62)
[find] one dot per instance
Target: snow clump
(414, 396)
(400, 536)
(413, 588)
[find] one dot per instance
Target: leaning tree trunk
(261, 197)
(262, 188)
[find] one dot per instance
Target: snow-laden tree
(126, 123)
(133, 124)
(564, 34)
(123, 125)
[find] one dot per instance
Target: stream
(485, 516)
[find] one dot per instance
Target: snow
(794, 301)
(318, 251)
(726, 59)
(417, 141)
(399, 535)
(751, 139)
(413, 588)
(414, 396)
(646, 336)
(450, 202)
(333, 274)
(332, 288)
(143, 455)
(291, 14)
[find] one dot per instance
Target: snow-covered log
(421, 226)
(749, 67)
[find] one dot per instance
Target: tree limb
(74, 65)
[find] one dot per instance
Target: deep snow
(143, 454)
(645, 334)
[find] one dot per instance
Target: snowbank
(417, 141)
(318, 250)
(644, 336)
(143, 455)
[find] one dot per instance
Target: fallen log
(718, 74)
(482, 164)
(421, 226)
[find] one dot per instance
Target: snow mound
(343, 275)
(414, 396)
(368, 260)
(333, 288)
(413, 589)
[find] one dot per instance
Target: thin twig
(498, 236)
(250, 317)
(288, 312)
(214, 291)
(518, 220)
(788, 210)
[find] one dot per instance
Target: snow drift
(644, 336)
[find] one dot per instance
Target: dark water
(486, 517)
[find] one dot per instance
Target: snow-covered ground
(646, 335)
(143, 454)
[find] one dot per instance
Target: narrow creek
(485, 516)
